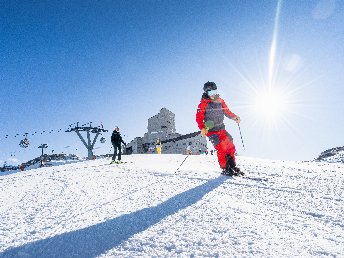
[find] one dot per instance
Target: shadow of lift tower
(88, 129)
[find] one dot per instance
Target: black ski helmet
(209, 86)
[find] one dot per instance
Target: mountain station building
(162, 126)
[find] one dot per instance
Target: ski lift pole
(241, 137)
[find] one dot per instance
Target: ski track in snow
(151, 207)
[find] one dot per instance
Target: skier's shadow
(99, 238)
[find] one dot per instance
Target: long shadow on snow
(99, 238)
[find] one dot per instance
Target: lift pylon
(88, 129)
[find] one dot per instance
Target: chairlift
(24, 143)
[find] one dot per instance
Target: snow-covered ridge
(152, 206)
(49, 160)
(332, 155)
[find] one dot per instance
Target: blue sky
(120, 62)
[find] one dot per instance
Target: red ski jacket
(210, 114)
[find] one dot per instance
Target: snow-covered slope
(153, 207)
(332, 155)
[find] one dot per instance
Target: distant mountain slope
(49, 160)
(332, 155)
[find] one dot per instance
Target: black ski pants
(117, 149)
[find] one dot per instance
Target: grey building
(162, 126)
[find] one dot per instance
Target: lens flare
(270, 104)
(273, 48)
(273, 94)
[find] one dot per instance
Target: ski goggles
(212, 92)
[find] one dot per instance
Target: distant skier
(188, 150)
(158, 146)
(209, 117)
(116, 140)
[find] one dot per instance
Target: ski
(117, 163)
(258, 179)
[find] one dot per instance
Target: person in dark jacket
(209, 117)
(116, 140)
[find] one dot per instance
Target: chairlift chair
(24, 143)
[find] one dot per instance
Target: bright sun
(270, 104)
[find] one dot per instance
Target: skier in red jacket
(209, 117)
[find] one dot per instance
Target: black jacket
(116, 138)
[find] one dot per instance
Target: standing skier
(188, 149)
(158, 146)
(116, 140)
(209, 117)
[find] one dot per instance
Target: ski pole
(181, 163)
(241, 137)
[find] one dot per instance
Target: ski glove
(204, 132)
(237, 119)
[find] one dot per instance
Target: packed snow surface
(153, 207)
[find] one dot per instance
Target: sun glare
(270, 104)
(273, 91)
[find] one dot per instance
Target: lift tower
(88, 129)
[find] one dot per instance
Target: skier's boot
(227, 172)
(238, 172)
(232, 168)
(229, 165)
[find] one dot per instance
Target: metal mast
(88, 129)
